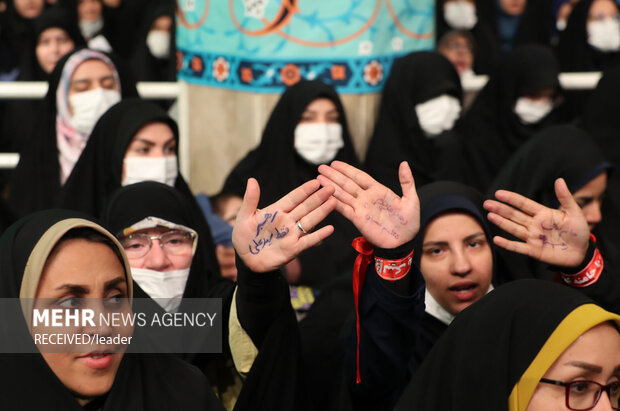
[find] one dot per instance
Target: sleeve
(390, 317)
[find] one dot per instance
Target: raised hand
(384, 218)
(557, 237)
(269, 238)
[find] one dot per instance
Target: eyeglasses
(172, 242)
(584, 395)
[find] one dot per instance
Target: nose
(604, 402)
(460, 263)
(157, 259)
(593, 213)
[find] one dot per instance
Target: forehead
(53, 32)
(80, 261)
(451, 226)
(321, 104)
(91, 69)
(156, 132)
(154, 231)
(603, 6)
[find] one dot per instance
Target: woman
(306, 128)
(34, 258)
(519, 99)
(569, 153)
(55, 36)
(420, 103)
(507, 351)
(82, 87)
(134, 141)
(591, 41)
(154, 57)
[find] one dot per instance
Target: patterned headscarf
(71, 142)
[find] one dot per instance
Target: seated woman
(520, 99)
(34, 258)
(540, 211)
(83, 85)
(420, 103)
(456, 259)
(529, 345)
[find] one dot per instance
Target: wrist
(589, 271)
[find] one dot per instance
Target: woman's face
(457, 262)
(83, 269)
(52, 45)
(602, 10)
(459, 51)
(321, 110)
(29, 9)
(162, 23)
(160, 258)
(89, 10)
(154, 140)
(594, 356)
(90, 75)
(590, 199)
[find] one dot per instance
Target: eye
(581, 387)
(71, 302)
(114, 301)
(170, 149)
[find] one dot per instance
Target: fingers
(516, 200)
(508, 212)
(508, 226)
(250, 199)
(564, 195)
(297, 196)
(314, 217)
(311, 203)
(514, 246)
(339, 193)
(314, 238)
(358, 176)
(407, 184)
(340, 180)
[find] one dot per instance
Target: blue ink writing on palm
(261, 241)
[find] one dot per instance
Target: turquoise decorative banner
(266, 45)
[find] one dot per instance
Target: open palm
(384, 218)
(269, 238)
(557, 237)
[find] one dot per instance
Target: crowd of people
(467, 262)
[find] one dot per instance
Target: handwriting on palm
(269, 238)
(558, 237)
(385, 219)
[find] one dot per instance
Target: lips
(97, 360)
(464, 291)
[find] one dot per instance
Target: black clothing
(491, 129)
(143, 382)
(414, 79)
(35, 181)
(481, 361)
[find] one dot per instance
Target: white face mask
(161, 169)
(438, 114)
(165, 287)
(318, 143)
(89, 105)
(604, 35)
(158, 42)
(460, 15)
(561, 24)
(90, 28)
(531, 111)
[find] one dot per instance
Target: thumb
(564, 196)
(250, 200)
(407, 184)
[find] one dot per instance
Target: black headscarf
(17, 33)
(414, 79)
(98, 172)
(36, 179)
(603, 124)
(491, 128)
(560, 151)
(574, 51)
(143, 382)
(279, 169)
(495, 352)
(145, 65)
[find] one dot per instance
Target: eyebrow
(150, 143)
(88, 80)
(113, 283)
(80, 289)
(436, 243)
(595, 369)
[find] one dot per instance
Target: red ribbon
(364, 248)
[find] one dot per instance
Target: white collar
(437, 311)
